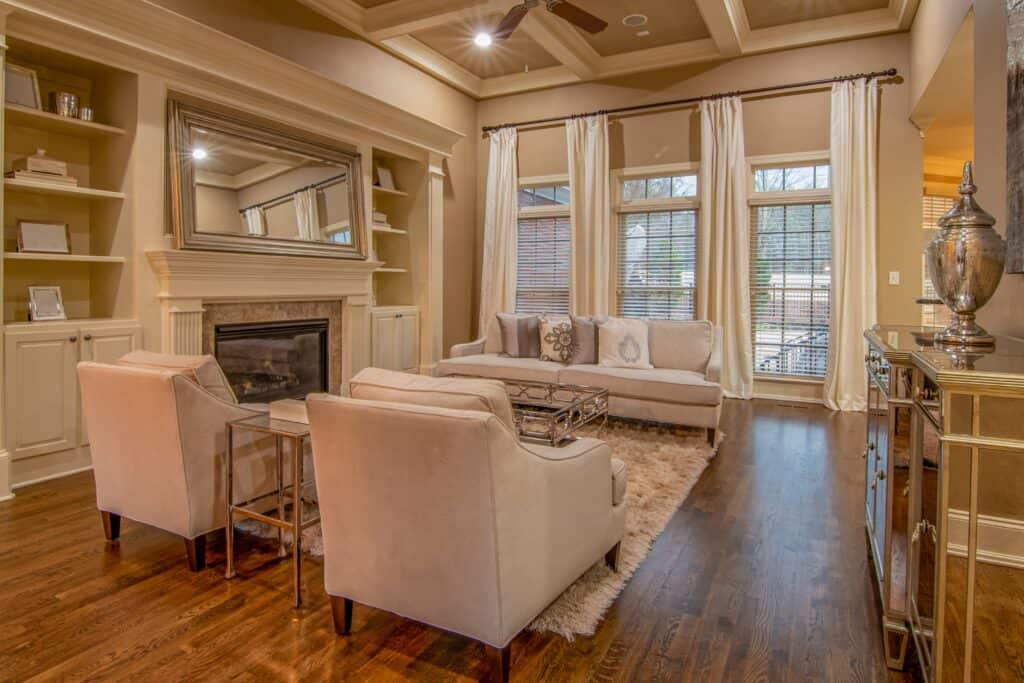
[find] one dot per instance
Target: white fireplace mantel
(188, 278)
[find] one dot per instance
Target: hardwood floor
(763, 574)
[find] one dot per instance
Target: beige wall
(294, 32)
(773, 124)
(935, 25)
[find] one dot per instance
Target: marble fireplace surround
(199, 289)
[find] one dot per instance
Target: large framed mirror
(239, 185)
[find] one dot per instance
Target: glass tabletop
(269, 425)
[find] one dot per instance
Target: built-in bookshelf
(394, 242)
(95, 277)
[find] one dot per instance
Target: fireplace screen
(269, 361)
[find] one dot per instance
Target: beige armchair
(158, 442)
(442, 516)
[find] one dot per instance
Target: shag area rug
(663, 463)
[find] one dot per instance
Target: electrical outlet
(894, 277)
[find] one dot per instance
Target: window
(544, 249)
(790, 264)
(932, 208)
(657, 246)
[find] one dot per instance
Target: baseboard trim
(51, 477)
(6, 490)
(789, 399)
(1000, 539)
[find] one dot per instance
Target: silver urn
(965, 263)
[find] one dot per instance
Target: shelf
(390, 270)
(40, 188)
(389, 231)
(26, 324)
(394, 193)
(18, 115)
(66, 258)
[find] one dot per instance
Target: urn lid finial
(966, 213)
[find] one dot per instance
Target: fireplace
(273, 360)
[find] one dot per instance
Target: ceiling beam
(726, 21)
(563, 42)
(548, 77)
(402, 17)
(346, 13)
(652, 58)
(816, 31)
(435, 63)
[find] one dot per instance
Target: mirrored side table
(296, 434)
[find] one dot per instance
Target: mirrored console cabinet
(945, 505)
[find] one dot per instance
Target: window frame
(786, 197)
(551, 211)
(622, 206)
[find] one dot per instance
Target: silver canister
(64, 104)
(965, 263)
(85, 113)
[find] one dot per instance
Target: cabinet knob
(72, 339)
(87, 337)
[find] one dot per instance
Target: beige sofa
(439, 514)
(157, 437)
(683, 387)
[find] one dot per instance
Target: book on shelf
(380, 217)
(43, 178)
(385, 225)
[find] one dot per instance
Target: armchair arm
(472, 348)
(713, 372)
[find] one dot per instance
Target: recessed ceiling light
(483, 39)
(634, 20)
(198, 153)
(643, 34)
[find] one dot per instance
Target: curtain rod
(318, 184)
(692, 100)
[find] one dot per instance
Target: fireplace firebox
(269, 361)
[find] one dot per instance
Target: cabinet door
(106, 345)
(41, 391)
(408, 342)
(384, 334)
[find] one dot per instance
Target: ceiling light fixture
(634, 20)
(483, 39)
(198, 153)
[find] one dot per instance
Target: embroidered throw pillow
(520, 335)
(622, 343)
(557, 342)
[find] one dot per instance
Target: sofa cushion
(659, 384)
(496, 366)
(457, 393)
(618, 481)
(623, 343)
(203, 370)
(557, 339)
(681, 345)
(584, 329)
(520, 335)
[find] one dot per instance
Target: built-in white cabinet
(41, 397)
(395, 338)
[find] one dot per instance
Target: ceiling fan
(566, 10)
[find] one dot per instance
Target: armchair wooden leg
(611, 558)
(341, 610)
(111, 525)
(501, 660)
(196, 549)
(711, 437)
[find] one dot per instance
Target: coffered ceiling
(545, 51)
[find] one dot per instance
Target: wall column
(432, 318)
(182, 326)
(5, 456)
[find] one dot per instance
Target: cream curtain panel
(306, 215)
(498, 271)
(723, 250)
(254, 222)
(854, 151)
(591, 276)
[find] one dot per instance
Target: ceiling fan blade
(510, 21)
(577, 16)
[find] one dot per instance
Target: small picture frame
(21, 86)
(384, 178)
(45, 303)
(44, 238)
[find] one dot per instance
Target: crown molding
(549, 77)
(180, 49)
(346, 13)
(817, 31)
(703, 50)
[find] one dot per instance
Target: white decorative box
(289, 409)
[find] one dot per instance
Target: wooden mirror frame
(182, 117)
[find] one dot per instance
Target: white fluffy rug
(663, 464)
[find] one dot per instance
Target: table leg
(297, 518)
(229, 532)
(279, 453)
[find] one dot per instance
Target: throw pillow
(520, 335)
(584, 330)
(557, 342)
(622, 343)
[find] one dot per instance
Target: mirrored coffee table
(552, 413)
